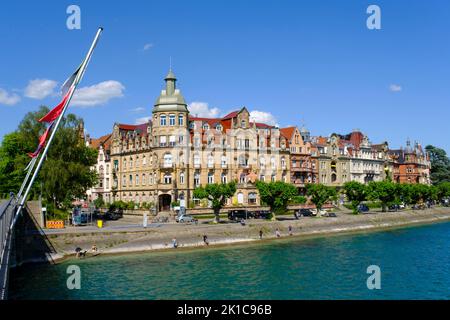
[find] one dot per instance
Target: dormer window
(219, 127)
(192, 125)
(206, 126)
(243, 124)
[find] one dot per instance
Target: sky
(312, 63)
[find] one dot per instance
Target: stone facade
(411, 165)
(103, 169)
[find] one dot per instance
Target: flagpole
(47, 146)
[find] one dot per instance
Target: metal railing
(7, 210)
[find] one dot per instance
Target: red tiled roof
(103, 140)
(130, 127)
(287, 132)
(231, 115)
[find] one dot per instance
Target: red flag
(42, 141)
(55, 112)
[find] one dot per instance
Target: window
(172, 141)
(124, 163)
(107, 183)
(182, 178)
(180, 140)
(144, 160)
(196, 160)
(273, 163)
(252, 198)
(137, 161)
(206, 126)
(240, 198)
(243, 161)
(131, 162)
(131, 180)
(243, 124)
(262, 178)
(163, 120)
(283, 178)
(210, 161)
(197, 141)
(273, 178)
(124, 181)
(137, 180)
(162, 141)
(171, 120)
(219, 127)
(242, 178)
(223, 178)
(210, 177)
(144, 181)
(167, 160)
(180, 119)
(196, 179)
(283, 163)
(262, 162)
(223, 161)
(167, 178)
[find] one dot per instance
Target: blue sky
(296, 62)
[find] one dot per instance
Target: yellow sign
(55, 224)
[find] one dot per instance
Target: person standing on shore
(174, 243)
(277, 233)
(145, 220)
(290, 230)
(260, 234)
(205, 239)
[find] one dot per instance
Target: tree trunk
(216, 215)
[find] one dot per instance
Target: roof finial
(170, 63)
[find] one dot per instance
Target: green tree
(440, 165)
(217, 194)
(384, 191)
(277, 194)
(356, 193)
(66, 173)
(99, 202)
(443, 190)
(320, 194)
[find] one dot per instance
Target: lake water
(414, 262)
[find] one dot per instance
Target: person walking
(205, 240)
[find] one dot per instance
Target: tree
(356, 193)
(277, 194)
(66, 173)
(99, 202)
(384, 191)
(440, 165)
(443, 190)
(320, 194)
(217, 194)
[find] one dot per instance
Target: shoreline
(304, 229)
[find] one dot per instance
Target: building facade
(164, 160)
(411, 165)
(103, 188)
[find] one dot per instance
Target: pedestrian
(290, 230)
(277, 233)
(145, 220)
(242, 222)
(174, 243)
(205, 239)
(260, 234)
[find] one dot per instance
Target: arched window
(262, 162)
(240, 198)
(210, 177)
(223, 161)
(243, 124)
(273, 162)
(144, 181)
(131, 162)
(137, 180)
(223, 178)
(283, 162)
(182, 178)
(333, 177)
(124, 163)
(196, 179)
(124, 180)
(167, 160)
(242, 178)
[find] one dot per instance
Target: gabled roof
(288, 132)
(104, 141)
(132, 127)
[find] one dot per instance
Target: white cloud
(98, 94)
(147, 46)
(201, 109)
(9, 99)
(138, 110)
(395, 88)
(40, 88)
(143, 120)
(264, 117)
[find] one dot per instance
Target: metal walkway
(7, 210)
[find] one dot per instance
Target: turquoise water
(414, 262)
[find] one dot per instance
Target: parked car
(262, 214)
(238, 215)
(328, 214)
(446, 202)
(185, 218)
(363, 208)
(304, 212)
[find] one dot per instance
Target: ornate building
(411, 165)
(103, 168)
(303, 165)
(164, 160)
